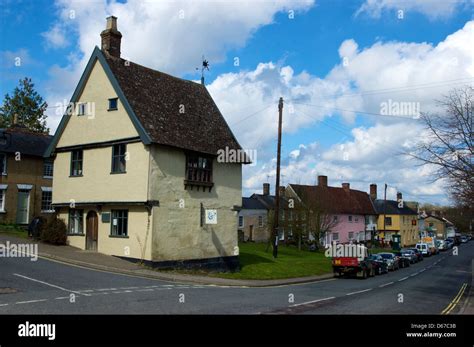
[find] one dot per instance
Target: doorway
(23, 207)
(91, 231)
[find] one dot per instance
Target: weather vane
(205, 66)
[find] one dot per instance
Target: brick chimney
(323, 181)
(111, 37)
(346, 186)
(373, 191)
(399, 196)
(266, 189)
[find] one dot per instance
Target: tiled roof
(24, 141)
(335, 200)
(157, 99)
(391, 207)
(252, 204)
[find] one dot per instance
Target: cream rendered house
(136, 172)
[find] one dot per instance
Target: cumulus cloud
(433, 9)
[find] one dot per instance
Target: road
(49, 287)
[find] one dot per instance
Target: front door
(91, 231)
(23, 207)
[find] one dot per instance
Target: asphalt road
(49, 287)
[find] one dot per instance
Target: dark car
(418, 253)
(392, 260)
(403, 260)
(379, 264)
(408, 253)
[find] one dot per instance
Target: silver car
(410, 255)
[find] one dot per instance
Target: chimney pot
(323, 181)
(373, 191)
(346, 186)
(399, 196)
(282, 190)
(266, 189)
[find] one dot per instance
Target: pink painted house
(350, 214)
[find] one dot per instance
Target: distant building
(25, 176)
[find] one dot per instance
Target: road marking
(413, 275)
(121, 291)
(51, 285)
(61, 297)
(360, 291)
(386, 284)
(30, 301)
(455, 301)
(312, 302)
(144, 290)
(105, 289)
(4, 304)
(403, 279)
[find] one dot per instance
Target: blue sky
(299, 59)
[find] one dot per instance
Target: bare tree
(448, 144)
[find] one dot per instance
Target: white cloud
(55, 37)
(433, 9)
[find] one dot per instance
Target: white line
(121, 292)
(61, 297)
(386, 284)
(144, 290)
(413, 275)
(29, 302)
(51, 285)
(403, 279)
(360, 291)
(3, 304)
(105, 289)
(312, 302)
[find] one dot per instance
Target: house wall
(440, 226)
(344, 226)
(103, 125)
(177, 234)
(259, 234)
(97, 183)
(403, 225)
(27, 170)
(138, 243)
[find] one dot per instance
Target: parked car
(441, 245)
(410, 255)
(464, 239)
(392, 261)
(424, 249)
(417, 253)
(379, 264)
(449, 243)
(353, 266)
(402, 260)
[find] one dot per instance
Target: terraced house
(25, 176)
(136, 170)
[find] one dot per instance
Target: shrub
(54, 232)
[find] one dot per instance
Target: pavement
(99, 261)
(438, 285)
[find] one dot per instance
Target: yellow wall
(401, 223)
(176, 232)
(103, 125)
(138, 243)
(97, 183)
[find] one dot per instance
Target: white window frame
(44, 190)
(45, 162)
(241, 225)
(335, 238)
(3, 193)
(80, 215)
(5, 170)
(260, 221)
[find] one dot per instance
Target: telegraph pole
(277, 185)
(384, 212)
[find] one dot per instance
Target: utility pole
(384, 211)
(276, 225)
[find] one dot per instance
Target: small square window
(81, 109)
(113, 103)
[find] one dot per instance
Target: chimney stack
(373, 191)
(399, 196)
(346, 186)
(323, 181)
(266, 189)
(282, 190)
(111, 38)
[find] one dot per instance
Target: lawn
(13, 230)
(256, 263)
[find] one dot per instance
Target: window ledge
(3, 211)
(198, 184)
(119, 236)
(48, 177)
(75, 175)
(118, 172)
(71, 234)
(47, 211)
(112, 109)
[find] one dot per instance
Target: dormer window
(81, 109)
(113, 103)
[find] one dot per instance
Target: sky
(354, 75)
